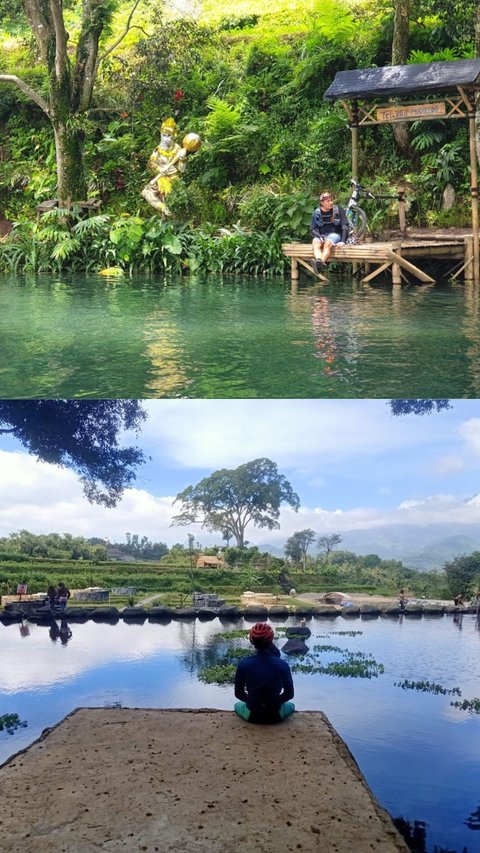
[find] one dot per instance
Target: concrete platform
(196, 781)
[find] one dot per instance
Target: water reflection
(236, 337)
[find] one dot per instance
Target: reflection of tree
(472, 334)
(414, 832)
(473, 820)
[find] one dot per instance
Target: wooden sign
(407, 112)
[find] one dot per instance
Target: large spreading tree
(231, 499)
(71, 72)
(84, 435)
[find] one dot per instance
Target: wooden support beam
(407, 265)
(310, 269)
(376, 272)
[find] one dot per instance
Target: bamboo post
(354, 129)
(469, 249)
(294, 268)
(474, 194)
(402, 219)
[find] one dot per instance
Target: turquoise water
(65, 336)
(420, 755)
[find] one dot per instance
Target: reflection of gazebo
(455, 86)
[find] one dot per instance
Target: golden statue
(168, 162)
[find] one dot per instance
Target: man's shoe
(319, 265)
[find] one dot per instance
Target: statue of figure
(168, 162)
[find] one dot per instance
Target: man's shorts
(333, 237)
(245, 713)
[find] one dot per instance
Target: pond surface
(65, 336)
(420, 755)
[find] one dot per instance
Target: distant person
(263, 681)
(403, 600)
(329, 227)
(63, 594)
(459, 599)
(52, 595)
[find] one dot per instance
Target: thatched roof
(393, 80)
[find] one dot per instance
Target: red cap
(260, 631)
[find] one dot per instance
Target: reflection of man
(168, 161)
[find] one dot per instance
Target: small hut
(457, 84)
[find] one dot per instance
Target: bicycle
(356, 216)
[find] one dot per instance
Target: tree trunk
(70, 171)
(400, 41)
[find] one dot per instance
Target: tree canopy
(297, 545)
(463, 573)
(418, 407)
(231, 499)
(84, 435)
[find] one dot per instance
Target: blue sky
(352, 463)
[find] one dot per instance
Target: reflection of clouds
(92, 645)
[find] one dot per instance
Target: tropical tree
(463, 573)
(327, 543)
(231, 499)
(297, 545)
(418, 407)
(72, 70)
(83, 435)
(400, 50)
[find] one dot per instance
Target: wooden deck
(401, 258)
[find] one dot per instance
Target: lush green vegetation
(251, 84)
(39, 560)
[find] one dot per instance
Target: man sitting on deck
(329, 227)
(263, 682)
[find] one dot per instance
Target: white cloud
(295, 433)
(448, 464)
(470, 432)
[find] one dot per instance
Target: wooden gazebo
(443, 90)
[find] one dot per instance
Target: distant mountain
(422, 548)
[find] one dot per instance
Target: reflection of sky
(420, 755)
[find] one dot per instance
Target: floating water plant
(218, 674)
(353, 665)
(232, 635)
(10, 723)
(427, 687)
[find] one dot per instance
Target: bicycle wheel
(357, 224)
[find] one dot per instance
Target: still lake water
(420, 756)
(211, 337)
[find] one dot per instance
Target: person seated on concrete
(263, 681)
(459, 599)
(63, 594)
